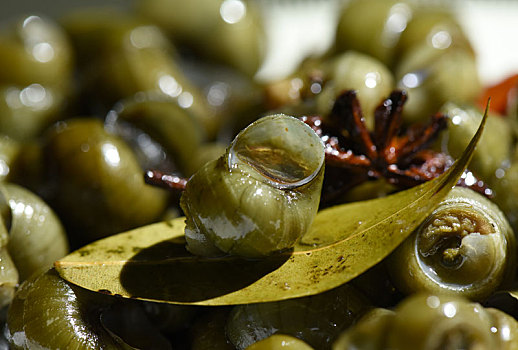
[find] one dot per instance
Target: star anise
(401, 156)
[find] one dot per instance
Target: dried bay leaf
(151, 262)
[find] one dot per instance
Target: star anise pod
(400, 155)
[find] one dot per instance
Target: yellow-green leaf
(151, 262)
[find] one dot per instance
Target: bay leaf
(151, 262)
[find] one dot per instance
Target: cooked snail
(279, 342)
(432, 322)
(35, 51)
(465, 247)
(36, 235)
(495, 145)
(436, 62)
(49, 313)
(228, 31)
(317, 319)
(373, 27)
(132, 56)
(267, 186)
(151, 118)
(8, 273)
(353, 70)
(95, 182)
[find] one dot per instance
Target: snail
(36, 50)
(226, 31)
(94, 181)
(505, 187)
(280, 341)
(465, 247)
(36, 236)
(150, 118)
(35, 82)
(372, 80)
(432, 322)
(49, 313)
(31, 237)
(495, 145)
(266, 186)
(436, 63)
(317, 320)
(373, 27)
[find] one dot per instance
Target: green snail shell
(36, 236)
(505, 193)
(432, 322)
(280, 342)
(261, 196)
(373, 27)
(48, 313)
(35, 49)
(25, 111)
(495, 145)
(433, 77)
(165, 122)
(95, 182)
(372, 80)
(465, 247)
(368, 333)
(9, 277)
(316, 319)
(230, 31)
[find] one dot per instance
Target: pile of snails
(92, 100)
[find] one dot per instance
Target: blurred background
(492, 27)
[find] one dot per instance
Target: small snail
(261, 196)
(465, 247)
(280, 342)
(432, 322)
(352, 70)
(495, 145)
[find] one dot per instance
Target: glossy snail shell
(465, 247)
(261, 196)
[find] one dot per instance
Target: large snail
(261, 196)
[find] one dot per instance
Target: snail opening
(282, 149)
(456, 246)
